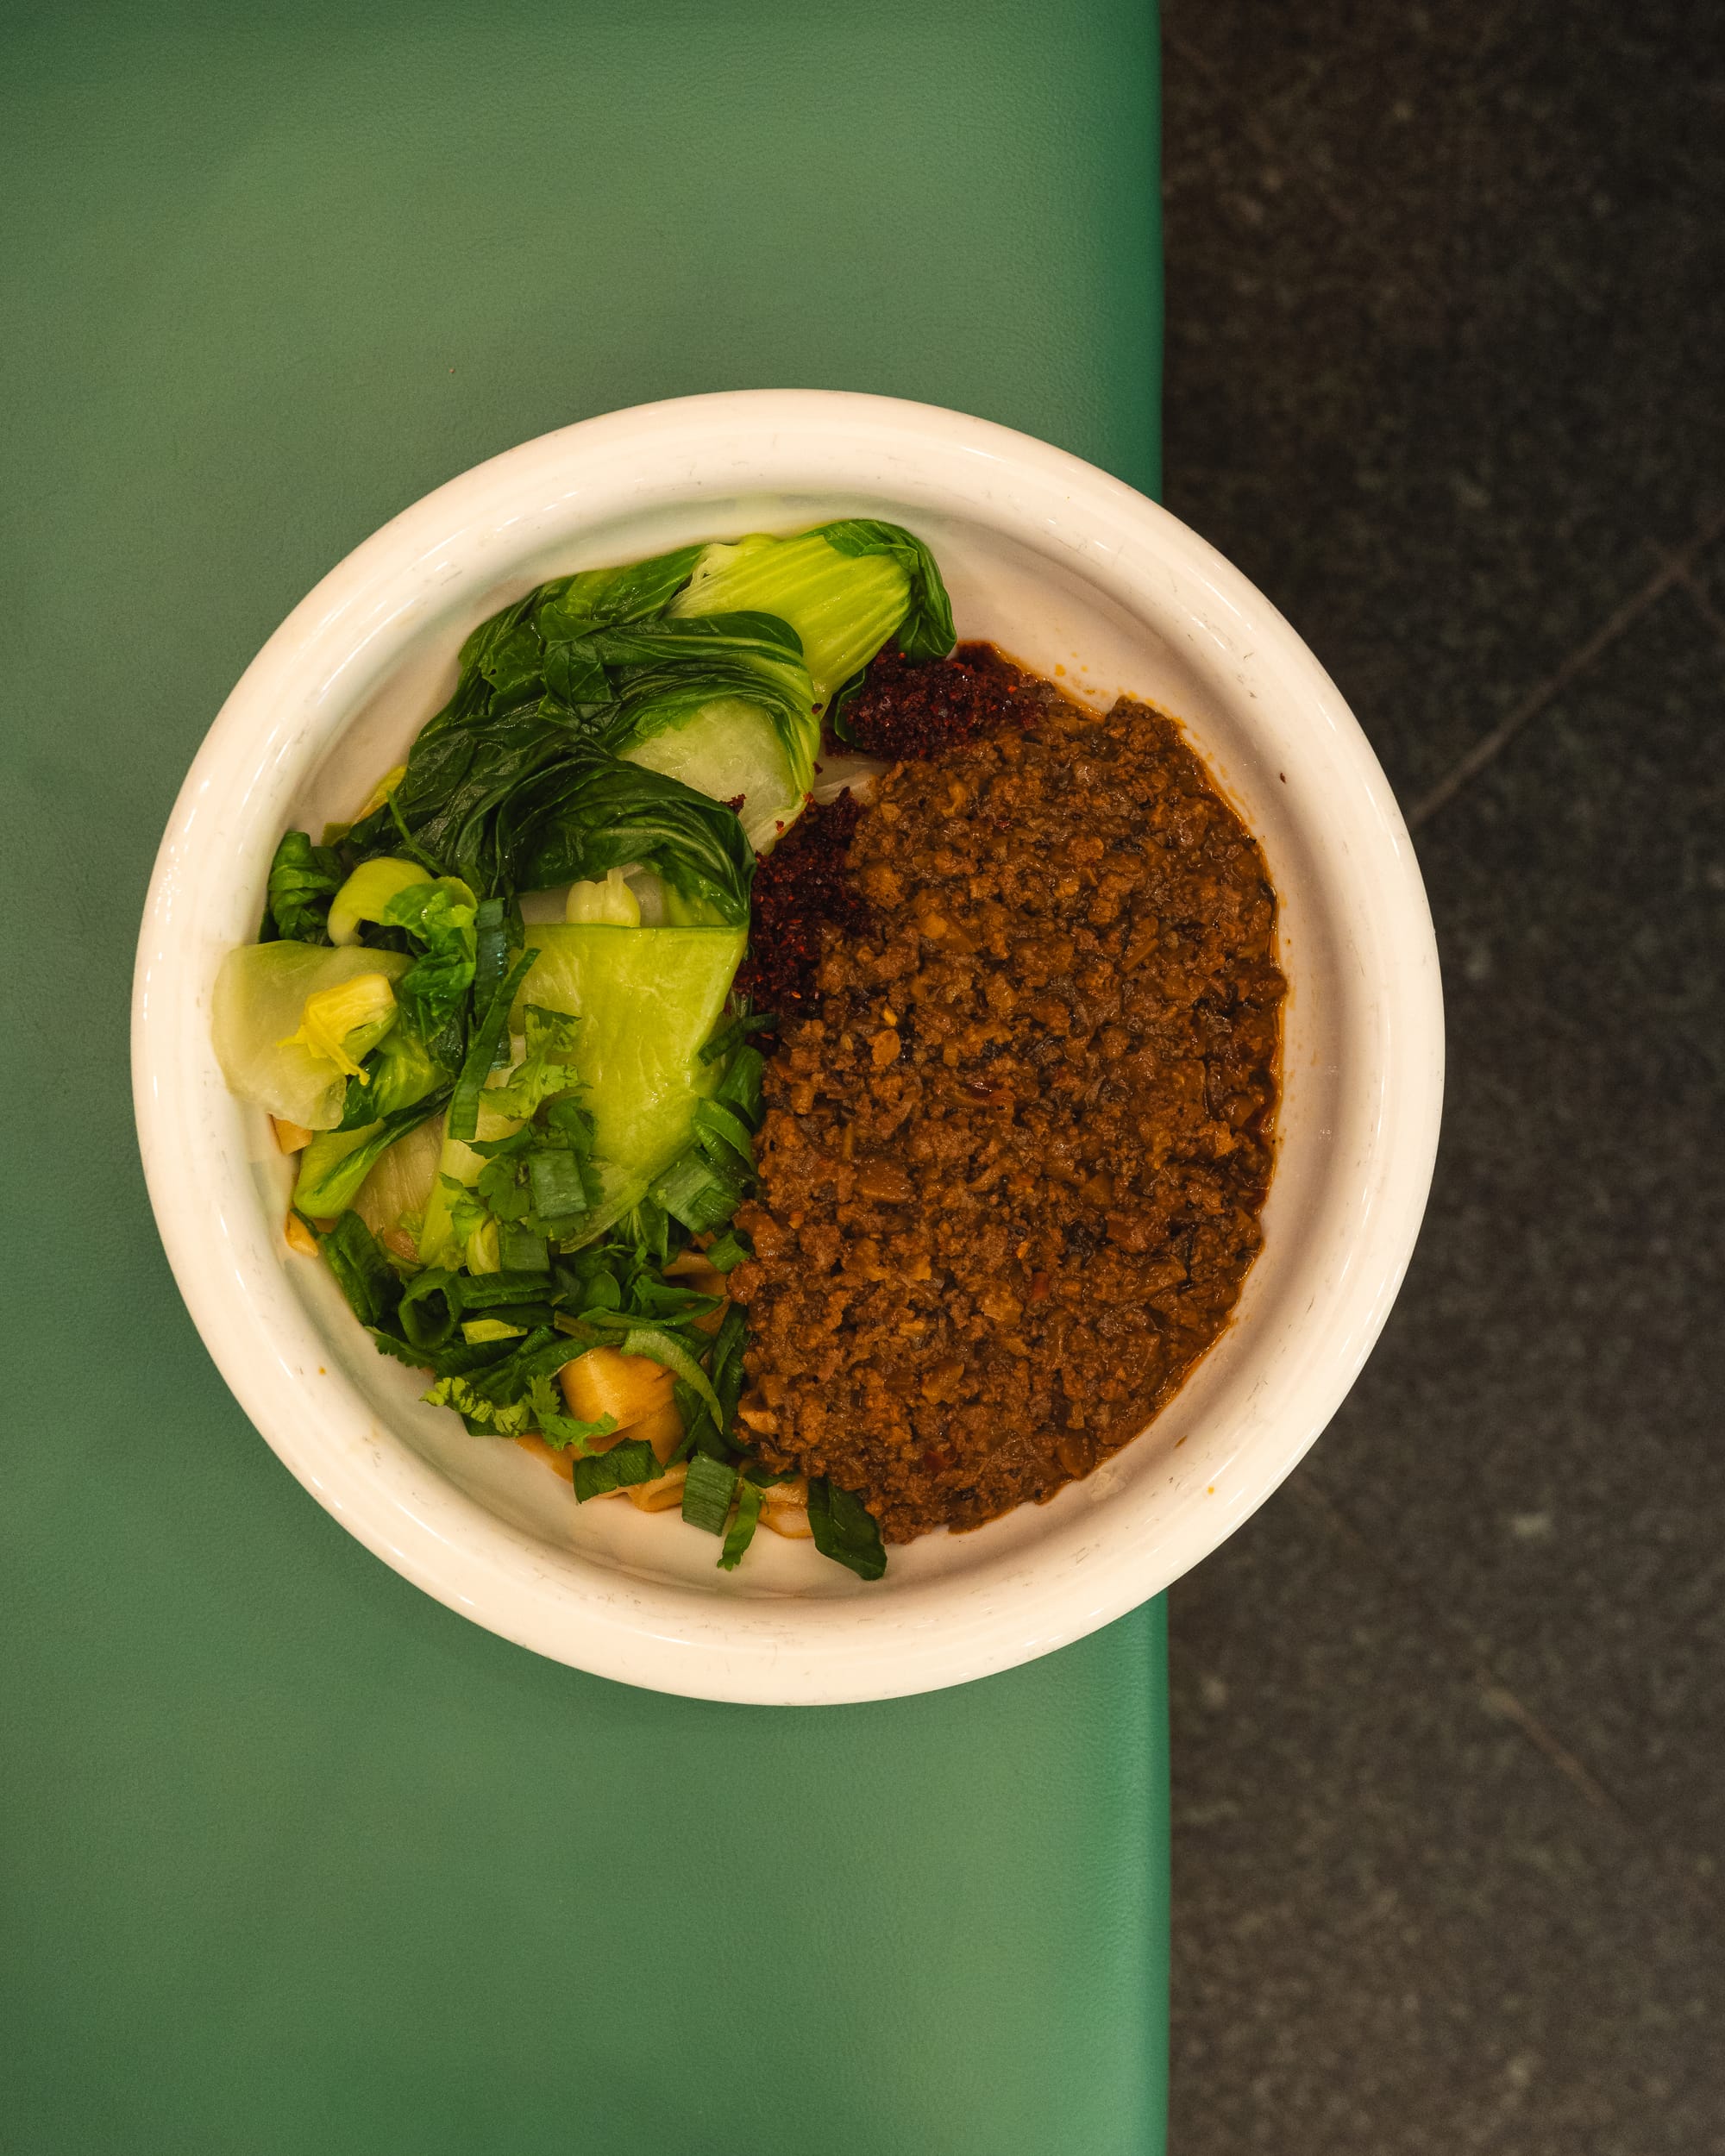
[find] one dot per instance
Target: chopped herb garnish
(722, 1127)
(430, 1308)
(729, 1252)
(708, 1492)
(365, 1275)
(740, 1088)
(491, 1033)
(474, 1330)
(554, 1422)
(522, 1249)
(742, 1531)
(695, 1192)
(631, 1460)
(844, 1529)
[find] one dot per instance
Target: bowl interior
(1075, 577)
(1054, 621)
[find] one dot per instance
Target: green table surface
(296, 1859)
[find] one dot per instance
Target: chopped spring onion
(492, 1029)
(632, 1460)
(430, 1307)
(696, 1192)
(732, 1249)
(715, 1121)
(708, 1493)
(749, 1499)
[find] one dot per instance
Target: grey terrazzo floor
(1447, 376)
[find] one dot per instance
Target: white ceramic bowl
(1078, 576)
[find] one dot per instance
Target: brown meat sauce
(1015, 1154)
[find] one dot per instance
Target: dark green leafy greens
(302, 879)
(337, 1163)
(589, 813)
(364, 1273)
(626, 684)
(631, 1460)
(433, 992)
(926, 630)
(522, 783)
(397, 1073)
(516, 784)
(844, 1529)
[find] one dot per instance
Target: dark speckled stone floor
(1447, 376)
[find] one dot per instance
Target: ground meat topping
(1018, 1141)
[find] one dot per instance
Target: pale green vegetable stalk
(438, 1243)
(399, 1189)
(343, 1023)
(368, 892)
(842, 606)
(730, 749)
(259, 1001)
(648, 999)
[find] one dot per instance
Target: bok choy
(258, 1025)
(527, 1145)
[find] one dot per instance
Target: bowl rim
(658, 1634)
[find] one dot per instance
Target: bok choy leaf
(647, 999)
(303, 880)
(925, 631)
(592, 814)
(337, 1163)
(260, 996)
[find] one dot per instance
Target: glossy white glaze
(1071, 572)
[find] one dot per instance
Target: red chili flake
(801, 885)
(912, 708)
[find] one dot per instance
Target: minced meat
(1015, 1153)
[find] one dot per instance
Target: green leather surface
(295, 1858)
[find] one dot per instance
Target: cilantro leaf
(556, 1424)
(499, 1418)
(547, 1069)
